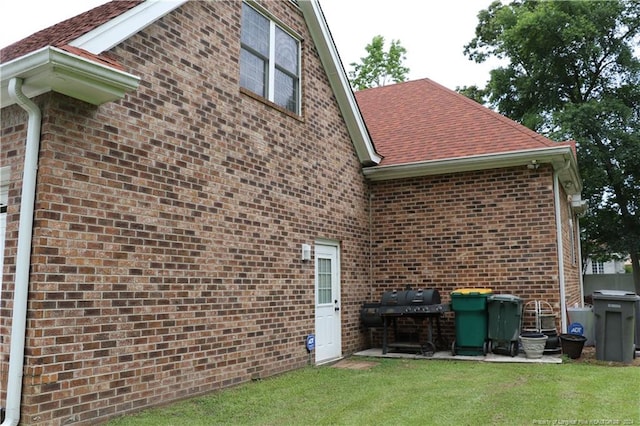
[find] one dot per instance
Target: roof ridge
(389, 85)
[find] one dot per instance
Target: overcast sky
(433, 32)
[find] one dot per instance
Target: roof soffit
(53, 69)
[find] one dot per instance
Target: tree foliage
(473, 93)
(574, 73)
(379, 67)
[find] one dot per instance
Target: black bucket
(572, 345)
(553, 341)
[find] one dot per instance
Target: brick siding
(493, 229)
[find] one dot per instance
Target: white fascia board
(556, 156)
(124, 26)
(339, 83)
(52, 69)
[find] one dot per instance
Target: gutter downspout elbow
(561, 281)
(23, 256)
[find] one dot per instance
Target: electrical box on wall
(306, 252)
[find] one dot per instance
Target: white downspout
(556, 193)
(23, 257)
(579, 260)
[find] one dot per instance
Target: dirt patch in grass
(589, 357)
(354, 365)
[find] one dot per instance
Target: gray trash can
(504, 320)
(615, 323)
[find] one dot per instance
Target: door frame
(333, 245)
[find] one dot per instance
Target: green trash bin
(470, 307)
(504, 318)
(615, 322)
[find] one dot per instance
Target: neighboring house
(166, 168)
(609, 275)
(594, 267)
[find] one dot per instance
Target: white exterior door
(328, 328)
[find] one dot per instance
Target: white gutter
(557, 156)
(23, 257)
(556, 193)
(580, 275)
(578, 208)
(53, 69)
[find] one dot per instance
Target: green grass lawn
(419, 392)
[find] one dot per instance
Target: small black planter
(572, 345)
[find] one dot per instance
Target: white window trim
(273, 22)
(597, 267)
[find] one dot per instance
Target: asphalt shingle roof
(421, 120)
(61, 34)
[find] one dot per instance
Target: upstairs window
(269, 60)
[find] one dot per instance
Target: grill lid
(410, 297)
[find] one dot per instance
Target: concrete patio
(520, 358)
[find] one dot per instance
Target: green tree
(473, 92)
(573, 72)
(379, 67)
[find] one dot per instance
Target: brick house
(190, 190)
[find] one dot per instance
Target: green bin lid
(472, 291)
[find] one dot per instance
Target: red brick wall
(168, 226)
(492, 229)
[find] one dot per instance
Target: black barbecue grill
(417, 305)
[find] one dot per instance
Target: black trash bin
(615, 323)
